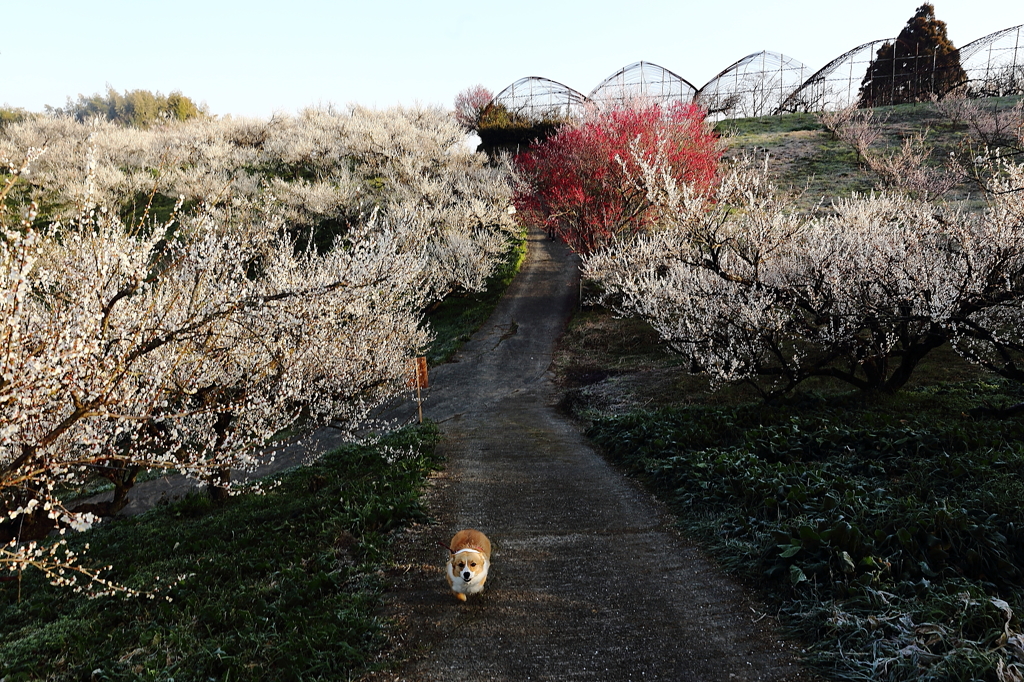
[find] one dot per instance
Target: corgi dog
(468, 561)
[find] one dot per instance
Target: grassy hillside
(807, 157)
(886, 531)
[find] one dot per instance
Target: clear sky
(256, 58)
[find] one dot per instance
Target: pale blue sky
(256, 57)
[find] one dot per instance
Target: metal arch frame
(720, 108)
(973, 47)
(619, 79)
(804, 99)
(567, 104)
(820, 76)
(982, 84)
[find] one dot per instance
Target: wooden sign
(418, 376)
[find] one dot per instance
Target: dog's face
(467, 564)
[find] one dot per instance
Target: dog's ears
(450, 550)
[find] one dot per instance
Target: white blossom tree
(749, 290)
(329, 170)
(134, 341)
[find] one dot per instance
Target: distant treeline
(138, 108)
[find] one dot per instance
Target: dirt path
(588, 582)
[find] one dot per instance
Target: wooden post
(419, 402)
(419, 379)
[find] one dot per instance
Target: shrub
(747, 289)
(502, 129)
(581, 185)
(12, 115)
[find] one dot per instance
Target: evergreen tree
(922, 61)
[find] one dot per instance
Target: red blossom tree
(580, 184)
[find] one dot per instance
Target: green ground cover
(886, 530)
(283, 585)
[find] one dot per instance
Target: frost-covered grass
(887, 532)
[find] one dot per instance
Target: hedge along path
(588, 581)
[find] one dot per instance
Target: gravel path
(588, 581)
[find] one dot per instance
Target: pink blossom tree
(470, 105)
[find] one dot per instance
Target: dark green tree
(920, 63)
